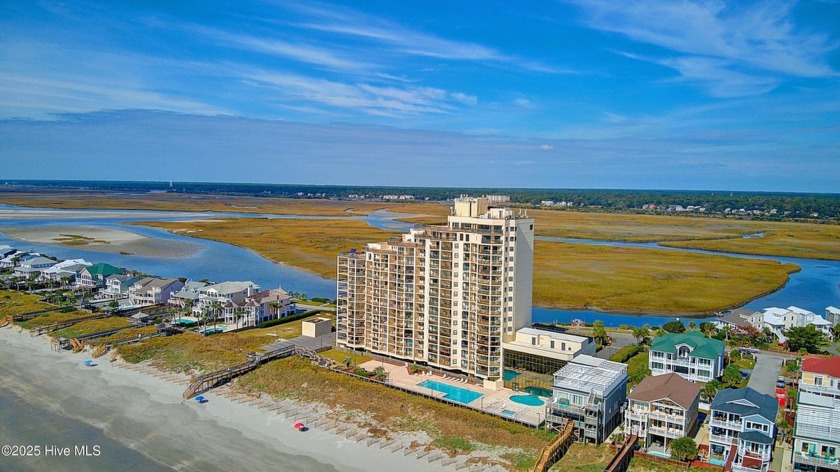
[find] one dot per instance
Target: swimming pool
(456, 394)
(661, 454)
(529, 400)
(213, 330)
(186, 321)
(510, 413)
(509, 375)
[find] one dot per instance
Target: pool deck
(492, 401)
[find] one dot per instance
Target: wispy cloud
(347, 22)
(730, 49)
(365, 97)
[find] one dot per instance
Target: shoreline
(142, 408)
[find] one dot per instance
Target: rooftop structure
(591, 392)
(662, 408)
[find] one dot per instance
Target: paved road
(765, 373)
(619, 340)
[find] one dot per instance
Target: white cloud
(546, 147)
(730, 49)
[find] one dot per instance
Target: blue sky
(649, 94)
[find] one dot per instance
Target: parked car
(780, 382)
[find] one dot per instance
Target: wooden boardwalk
(555, 448)
(208, 381)
(621, 461)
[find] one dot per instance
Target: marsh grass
(632, 280)
(309, 244)
(219, 203)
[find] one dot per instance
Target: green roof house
(691, 355)
(95, 275)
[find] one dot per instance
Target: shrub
(626, 353)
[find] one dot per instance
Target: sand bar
(148, 414)
(102, 239)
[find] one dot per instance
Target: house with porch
(660, 409)
(816, 446)
(32, 266)
(691, 355)
(152, 290)
(261, 307)
(188, 295)
(740, 319)
(64, 270)
(590, 392)
(118, 285)
(780, 319)
(95, 275)
(219, 299)
(742, 429)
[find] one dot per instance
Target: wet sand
(148, 415)
(102, 239)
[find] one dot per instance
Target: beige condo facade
(445, 295)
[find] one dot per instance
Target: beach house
(691, 355)
(816, 431)
(64, 270)
(742, 429)
(218, 299)
(118, 285)
(591, 392)
(152, 291)
(261, 307)
(94, 275)
(29, 267)
(777, 320)
(741, 319)
(662, 408)
(188, 295)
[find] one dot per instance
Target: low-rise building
(64, 271)
(832, 315)
(691, 355)
(780, 319)
(745, 420)
(188, 295)
(261, 307)
(532, 357)
(94, 276)
(32, 267)
(153, 291)
(590, 392)
(741, 319)
(816, 431)
(117, 285)
(662, 408)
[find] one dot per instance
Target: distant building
(691, 355)
(590, 392)
(832, 315)
(32, 267)
(153, 291)
(496, 199)
(780, 319)
(662, 408)
(743, 424)
(741, 318)
(816, 444)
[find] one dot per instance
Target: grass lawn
(91, 326)
(19, 303)
(636, 364)
(339, 356)
(455, 429)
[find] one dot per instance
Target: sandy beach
(102, 239)
(148, 415)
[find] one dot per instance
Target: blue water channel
(814, 287)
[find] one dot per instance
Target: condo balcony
(825, 462)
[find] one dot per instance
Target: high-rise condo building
(446, 296)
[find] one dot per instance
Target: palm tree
(380, 374)
(640, 333)
(599, 333)
(348, 361)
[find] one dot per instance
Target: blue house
(745, 420)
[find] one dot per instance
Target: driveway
(620, 340)
(765, 373)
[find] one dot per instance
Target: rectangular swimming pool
(456, 394)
